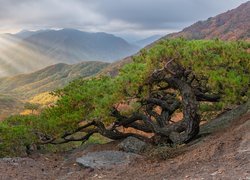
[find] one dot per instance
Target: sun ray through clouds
(17, 56)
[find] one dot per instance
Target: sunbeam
(17, 56)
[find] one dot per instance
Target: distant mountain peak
(27, 33)
(23, 31)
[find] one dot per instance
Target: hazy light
(19, 57)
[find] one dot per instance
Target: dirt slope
(223, 154)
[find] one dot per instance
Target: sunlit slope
(48, 79)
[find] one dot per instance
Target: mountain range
(28, 51)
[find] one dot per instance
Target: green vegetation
(86, 106)
(16, 135)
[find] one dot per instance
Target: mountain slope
(238, 29)
(9, 105)
(29, 51)
(71, 46)
(231, 25)
(48, 79)
(25, 33)
(144, 42)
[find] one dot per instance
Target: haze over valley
(28, 51)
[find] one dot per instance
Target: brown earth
(223, 154)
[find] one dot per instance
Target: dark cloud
(115, 16)
(163, 13)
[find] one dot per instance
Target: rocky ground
(222, 151)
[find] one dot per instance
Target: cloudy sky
(127, 18)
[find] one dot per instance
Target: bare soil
(224, 154)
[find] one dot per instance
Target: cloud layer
(138, 17)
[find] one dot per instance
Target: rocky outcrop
(225, 120)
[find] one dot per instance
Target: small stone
(219, 171)
(132, 144)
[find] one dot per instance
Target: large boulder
(133, 145)
(106, 159)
